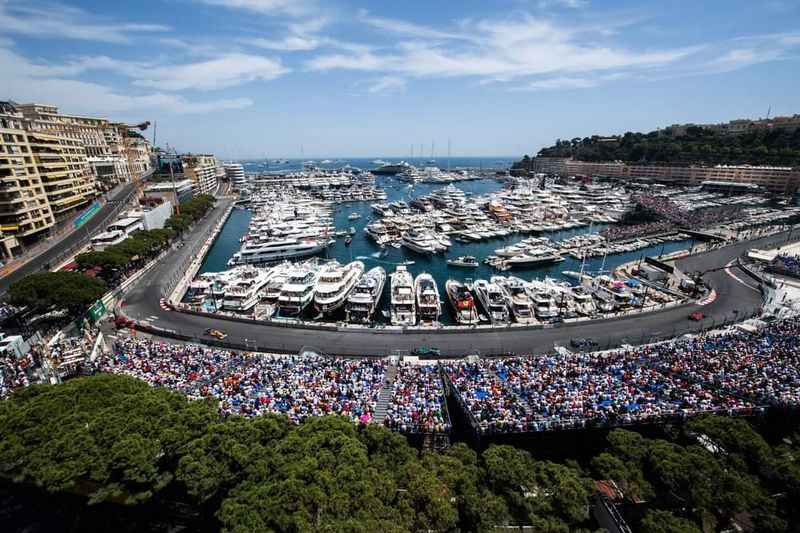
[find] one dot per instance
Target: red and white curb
(708, 299)
(164, 305)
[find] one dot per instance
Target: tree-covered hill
(695, 146)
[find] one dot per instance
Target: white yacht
(428, 306)
(545, 306)
(403, 309)
(334, 284)
(519, 301)
(243, 291)
(365, 296)
(493, 300)
(419, 241)
(297, 292)
(462, 301)
(271, 251)
(584, 303)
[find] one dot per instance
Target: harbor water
(364, 248)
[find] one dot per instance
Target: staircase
(386, 393)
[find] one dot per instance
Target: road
(69, 244)
(741, 295)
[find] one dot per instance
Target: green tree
(658, 521)
(61, 290)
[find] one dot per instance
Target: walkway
(386, 393)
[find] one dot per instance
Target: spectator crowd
(418, 403)
(734, 372)
(730, 373)
(786, 264)
(247, 384)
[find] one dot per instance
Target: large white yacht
(462, 301)
(403, 308)
(584, 303)
(364, 297)
(334, 284)
(271, 251)
(243, 290)
(544, 305)
(519, 301)
(298, 291)
(493, 300)
(420, 242)
(428, 306)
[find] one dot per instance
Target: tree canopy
(695, 145)
(115, 439)
(46, 290)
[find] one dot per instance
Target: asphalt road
(59, 251)
(733, 295)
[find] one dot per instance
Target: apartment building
(25, 212)
(104, 142)
(202, 170)
(779, 180)
(62, 166)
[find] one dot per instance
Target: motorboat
(353, 216)
(365, 296)
(334, 284)
(243, 290)
(460, 297)
(428, 306)
(297, 292)
(464, 261)
(278, 250)
(519, 301)
(402, 306)
(493, 300)
(419, 242)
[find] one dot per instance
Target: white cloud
(570, 4)
(50, 21)
(218, 73)
(499, 50)
(25, 81)
(565, 83)
(211, 74)
(288, 7)
(406, 28)
(290, 43)
(386, 84)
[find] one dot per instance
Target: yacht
(464, 261)
(519, 301)
(278, 250)
(545, 306)
(402, 311)
(493, 300)
(462, 301)
(297, 292)
(392, 169)
(584, 303)
(334, 284)
(243, 290)
(353, 216)
(365, 296)
(428, 306)
(533, 258)
(419, 241)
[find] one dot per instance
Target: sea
(364, 249)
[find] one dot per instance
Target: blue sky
(249, 78)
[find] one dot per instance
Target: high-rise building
(202, 170)
(61, 163)
(104, 143)
(235, 174)
(25, 212)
